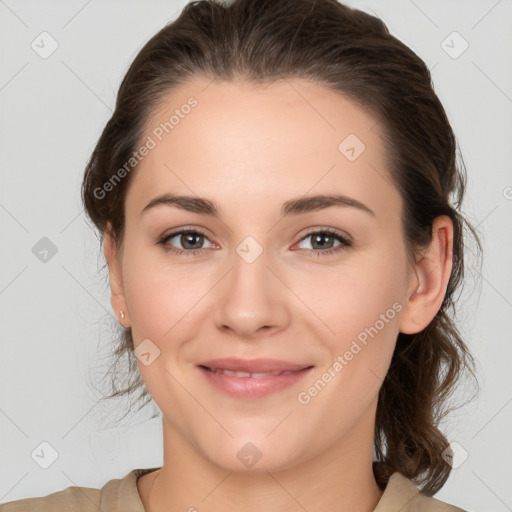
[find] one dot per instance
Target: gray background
(56, 318)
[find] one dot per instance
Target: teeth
(248, 374)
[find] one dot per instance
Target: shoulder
(117, 495)
(69, 499)
(401, 494)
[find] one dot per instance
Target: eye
(190, 240)
(325, 241)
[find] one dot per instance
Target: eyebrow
(294, 206)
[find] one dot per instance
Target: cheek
(161, 297)
(361, 305)
(350, 298)
(364, 316)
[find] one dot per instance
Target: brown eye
(191, 240)
(185, 241)
(325, 242)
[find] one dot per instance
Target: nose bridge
(250, 297)
(250, 270)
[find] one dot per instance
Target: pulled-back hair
(352, 52)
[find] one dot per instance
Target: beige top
(121, 495)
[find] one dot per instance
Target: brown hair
(352, 52)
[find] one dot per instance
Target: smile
(251, 385)
(244, 375)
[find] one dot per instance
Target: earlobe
(117, 298)
(430, 277)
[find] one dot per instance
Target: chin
(252, 454)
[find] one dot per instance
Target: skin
(249, 149)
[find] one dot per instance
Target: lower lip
(251, 387)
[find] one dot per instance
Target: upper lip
(253, 365)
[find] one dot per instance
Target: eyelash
(344, 242)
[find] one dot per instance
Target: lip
(261, 365)
(252, 387)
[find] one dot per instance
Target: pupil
(318, 239)
(188, 239)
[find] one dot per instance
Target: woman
(274, 191)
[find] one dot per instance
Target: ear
(117, 299)
(429, 278)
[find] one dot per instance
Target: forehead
(274, 140)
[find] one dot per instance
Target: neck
(338, 479)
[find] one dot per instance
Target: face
(294, 252)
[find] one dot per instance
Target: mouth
(245, 375)
(251, 379)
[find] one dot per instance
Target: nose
(252, 301)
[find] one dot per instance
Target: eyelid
(163, 239)
(325, 229)
(344, 239)
(182, 229)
